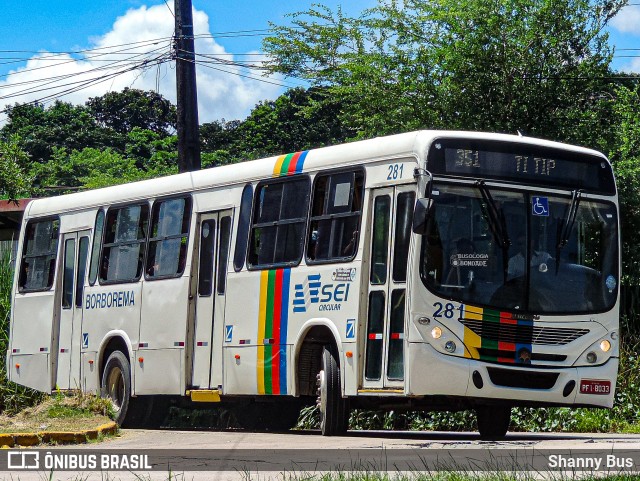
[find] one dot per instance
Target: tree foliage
(133, 108)
(61, 125)
(297, 120)
(625, 155)
(503, 65)
(14, 182)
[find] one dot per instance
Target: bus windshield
(523, 251)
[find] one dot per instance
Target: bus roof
(407, 144)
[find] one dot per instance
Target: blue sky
(46, 26)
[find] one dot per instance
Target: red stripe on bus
(506, 346)
(293, 163)
(277, 314)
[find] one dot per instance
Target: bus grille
(519, 334)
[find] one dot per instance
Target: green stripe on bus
(285, 164)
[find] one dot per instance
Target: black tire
(116, 385)
(493, 421)
(334, 410)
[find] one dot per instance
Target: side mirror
(421, 216)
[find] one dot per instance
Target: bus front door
(390, 231)
(208, 339)
(69, 338)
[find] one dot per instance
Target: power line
(72, 60)
(41, 83)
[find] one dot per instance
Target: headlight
(436, 332)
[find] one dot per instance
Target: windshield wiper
(496, 221)
(567, 226)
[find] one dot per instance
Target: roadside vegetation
(60, 413)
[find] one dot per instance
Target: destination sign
(525, 164)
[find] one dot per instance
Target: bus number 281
(395, 171)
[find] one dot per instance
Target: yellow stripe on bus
(262, 317)
(278, 167)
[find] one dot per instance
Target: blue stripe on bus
(300, 163)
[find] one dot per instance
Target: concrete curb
(59, 437)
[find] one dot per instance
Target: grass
(66, 413)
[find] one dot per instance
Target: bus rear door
(208, 339)
(72, 278)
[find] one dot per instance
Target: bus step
(393, 392)
(205, 395)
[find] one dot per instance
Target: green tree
(88, 169)
(152, 151)
(61, 125)
(14, 183)
(625, 155)
(133, 108)
(297, 120)
(502, 65)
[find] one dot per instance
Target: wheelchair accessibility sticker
(540, 206)
(351, 329)
(228, 333)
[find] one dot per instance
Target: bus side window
(39, 255)
(279, 221)
(169, 237)
(81, 271)
(95, 247)
(124, 241)
(335, 217)
(243, 228)
(223, 253)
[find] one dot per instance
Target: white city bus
(427, 270)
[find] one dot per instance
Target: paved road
(238, 455)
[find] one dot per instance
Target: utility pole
(187, 123)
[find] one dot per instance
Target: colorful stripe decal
(272, 331)
(290, 164)
(502, 349)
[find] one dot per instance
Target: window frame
(81, 271)
(310, 219)
(100, 240)
(23, 256)
(115, 244)
(67, 300)
(242, 242)
(304, 220)
(189, 210)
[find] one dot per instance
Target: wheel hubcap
(322, 395)
(115, 387)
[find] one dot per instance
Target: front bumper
(433, 373)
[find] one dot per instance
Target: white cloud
(628, 20)
(632, 67)
(220, 94)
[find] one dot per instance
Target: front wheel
(334, 410)
(493, 421)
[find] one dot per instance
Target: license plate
(593, 386)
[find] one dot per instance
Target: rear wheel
(116, 386)
(334, 410)
(493, 421)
